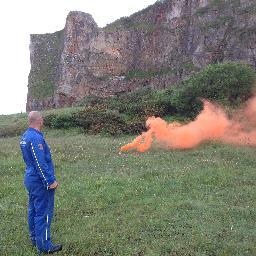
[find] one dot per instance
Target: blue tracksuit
(38, 176)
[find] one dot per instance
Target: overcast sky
(20, 18)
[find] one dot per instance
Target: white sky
(20, 18)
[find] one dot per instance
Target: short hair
(34, 117)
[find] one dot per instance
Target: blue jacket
(37, 157)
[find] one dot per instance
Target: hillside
(154, 48)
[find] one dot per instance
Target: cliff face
(155, 47)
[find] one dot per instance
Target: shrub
(228, 84)
(98, 119)
(141, 103)
(58, 121)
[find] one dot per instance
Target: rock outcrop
(155, 47)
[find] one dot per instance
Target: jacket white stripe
(38, 164)
(46, 227)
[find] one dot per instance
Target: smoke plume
(212, 124)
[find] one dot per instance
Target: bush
(140, 104)
(229, 84)
(101, 120)
(98, 119)
(58, 121)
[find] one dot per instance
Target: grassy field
(195, 202)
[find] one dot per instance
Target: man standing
(40, 183)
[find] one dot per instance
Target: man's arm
(37, 151)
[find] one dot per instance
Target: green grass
(192, 202)
(12, 125)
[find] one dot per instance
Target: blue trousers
(40, 213)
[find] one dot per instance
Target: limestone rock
(156, 47)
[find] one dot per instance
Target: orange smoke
(212, 124)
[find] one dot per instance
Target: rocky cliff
(155, 47)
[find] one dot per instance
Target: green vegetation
(12, 125)
(137, 21)
(228, 84)
(189, 66)
(148, 74)
(42, 76)
(192, 202)
(127, 23)
(43, 89)
(183, 202)
(133, 22)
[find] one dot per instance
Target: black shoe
(55, 248)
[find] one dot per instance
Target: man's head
(35, 120)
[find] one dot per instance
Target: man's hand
(54, 185)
